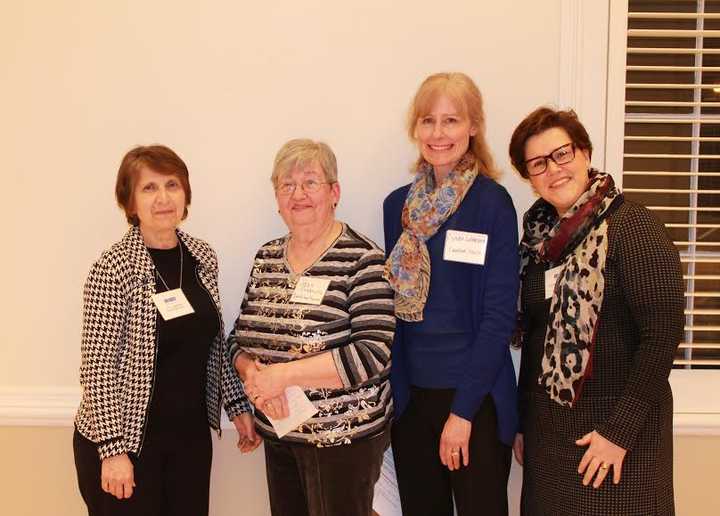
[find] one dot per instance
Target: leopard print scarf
(577, 242)
(427, 207)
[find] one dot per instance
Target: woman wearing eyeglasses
(600, 317)
(317, 314)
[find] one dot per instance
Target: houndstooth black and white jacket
(119, 346)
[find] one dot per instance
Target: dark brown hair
(158, 158)
(540, 120)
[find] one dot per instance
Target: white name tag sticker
(172, 304)
(465, 247)
(310, 291)
(300, 409)
(551, 277)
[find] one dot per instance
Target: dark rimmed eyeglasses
(560, 156)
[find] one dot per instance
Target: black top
(536, 309)
(177, 406)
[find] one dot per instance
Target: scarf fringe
(411, 308)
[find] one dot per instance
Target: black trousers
(304, 480)
(172, 478)
(427, 488)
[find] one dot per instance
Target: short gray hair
(301, 151)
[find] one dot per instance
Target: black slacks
(172, 478)
(427, 488)
(304, 480)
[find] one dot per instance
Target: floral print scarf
(577, 241)
(427, 207)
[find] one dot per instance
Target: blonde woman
(452, 241)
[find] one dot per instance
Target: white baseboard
(56, 406)
(696, 424)
(45, 406)
(38, 406)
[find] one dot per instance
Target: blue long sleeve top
(463, 340)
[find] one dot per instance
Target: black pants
(304, 480)
(426, 486)
(172, 478)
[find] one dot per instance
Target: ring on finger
(604, 466)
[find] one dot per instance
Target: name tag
(310, 291)
(551, 277)
(172, 304)
(465, 247)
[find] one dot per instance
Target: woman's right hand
(519, 448)
(117, 476)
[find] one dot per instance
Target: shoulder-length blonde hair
(464, 93)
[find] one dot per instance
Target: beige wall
(225, 83)
(37, 477)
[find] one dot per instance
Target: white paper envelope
(300, 407)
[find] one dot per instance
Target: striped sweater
(355, 322)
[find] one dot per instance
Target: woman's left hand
(276, 408)
(454, 442)
(268, 382)
(600, 456)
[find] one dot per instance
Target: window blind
(671, 157)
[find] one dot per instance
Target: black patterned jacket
(119, 346)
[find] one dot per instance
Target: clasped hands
(265, 387)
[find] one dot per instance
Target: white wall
(224, 83)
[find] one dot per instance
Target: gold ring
(455, 453)
(604, 466)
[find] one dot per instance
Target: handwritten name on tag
(465, 247)
(300, 408)
(551, 277)
(172, 304)
(310, 291)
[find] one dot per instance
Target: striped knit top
(355, 322)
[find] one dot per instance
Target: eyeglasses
(308, 186)
(560, 156)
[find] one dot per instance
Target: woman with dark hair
(154, 369)
(451, 238)
(600, 317)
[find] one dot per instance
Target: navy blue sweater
(463, 340)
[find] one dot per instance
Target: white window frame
(696, 404)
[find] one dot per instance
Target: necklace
(181, 270)
(328, 239)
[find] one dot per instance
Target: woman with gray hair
(317, 314)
